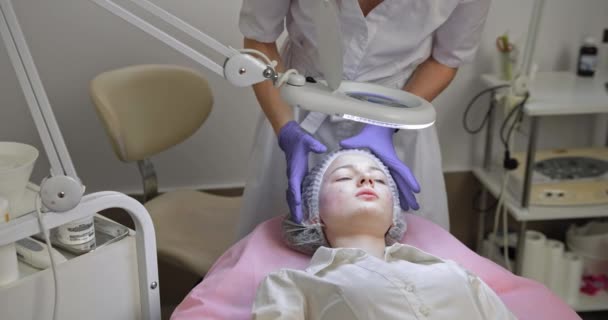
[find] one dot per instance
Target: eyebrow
(351, 167)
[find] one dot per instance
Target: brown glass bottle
(587, 58)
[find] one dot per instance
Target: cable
(512, 120)
(479, 209)
(49, 248)
(517, 110)
(505, 238)
(465, 125)
(283, 77)
(260, 54)
(502, 210)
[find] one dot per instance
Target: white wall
(73, 40)
(563, 27)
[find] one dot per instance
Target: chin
(374, 212)
(363, 213)
(372, 208)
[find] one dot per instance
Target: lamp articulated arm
(243, 68)
(62, 190)
(240, 69)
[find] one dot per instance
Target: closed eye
(344, 179)
(380, 181)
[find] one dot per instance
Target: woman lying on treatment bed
(405, 278)
(358, 270)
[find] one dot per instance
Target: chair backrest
(147, 109)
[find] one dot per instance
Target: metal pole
(533, 30)
(487, 159)
(481, 227)
(160, 35)
(527, 187)
(33, 90)
(521, 238)
(487, 162)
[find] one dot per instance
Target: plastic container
(9, 268)
(78, 233)
(587, 58)
(16, 165)
(590, 241)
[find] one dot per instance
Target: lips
(367, 193)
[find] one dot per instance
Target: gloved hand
(296, 144)
(380, 141)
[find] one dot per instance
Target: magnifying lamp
(357, 101)
(62, 190)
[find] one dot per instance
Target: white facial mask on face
(308, 236)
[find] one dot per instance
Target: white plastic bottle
(77, 233)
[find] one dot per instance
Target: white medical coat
(384, 47)
(350, 284)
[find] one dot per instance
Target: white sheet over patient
(346, 283)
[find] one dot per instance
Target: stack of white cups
(546, 261)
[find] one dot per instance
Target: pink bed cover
(229, 288)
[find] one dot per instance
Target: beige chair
(147, 109)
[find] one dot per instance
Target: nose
(366, 181)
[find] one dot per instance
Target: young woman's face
(355, 197)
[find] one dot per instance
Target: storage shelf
(493, 182)
(587, 303)
(552, 94)
(102, 284)
(143, 241)
(561, 93)
(584, 303)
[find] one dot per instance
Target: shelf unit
(561, 93)
(491, 181)
(551, 94)
(93, 271)
(587, 303)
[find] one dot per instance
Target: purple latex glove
(379, 140)
(296, 144)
